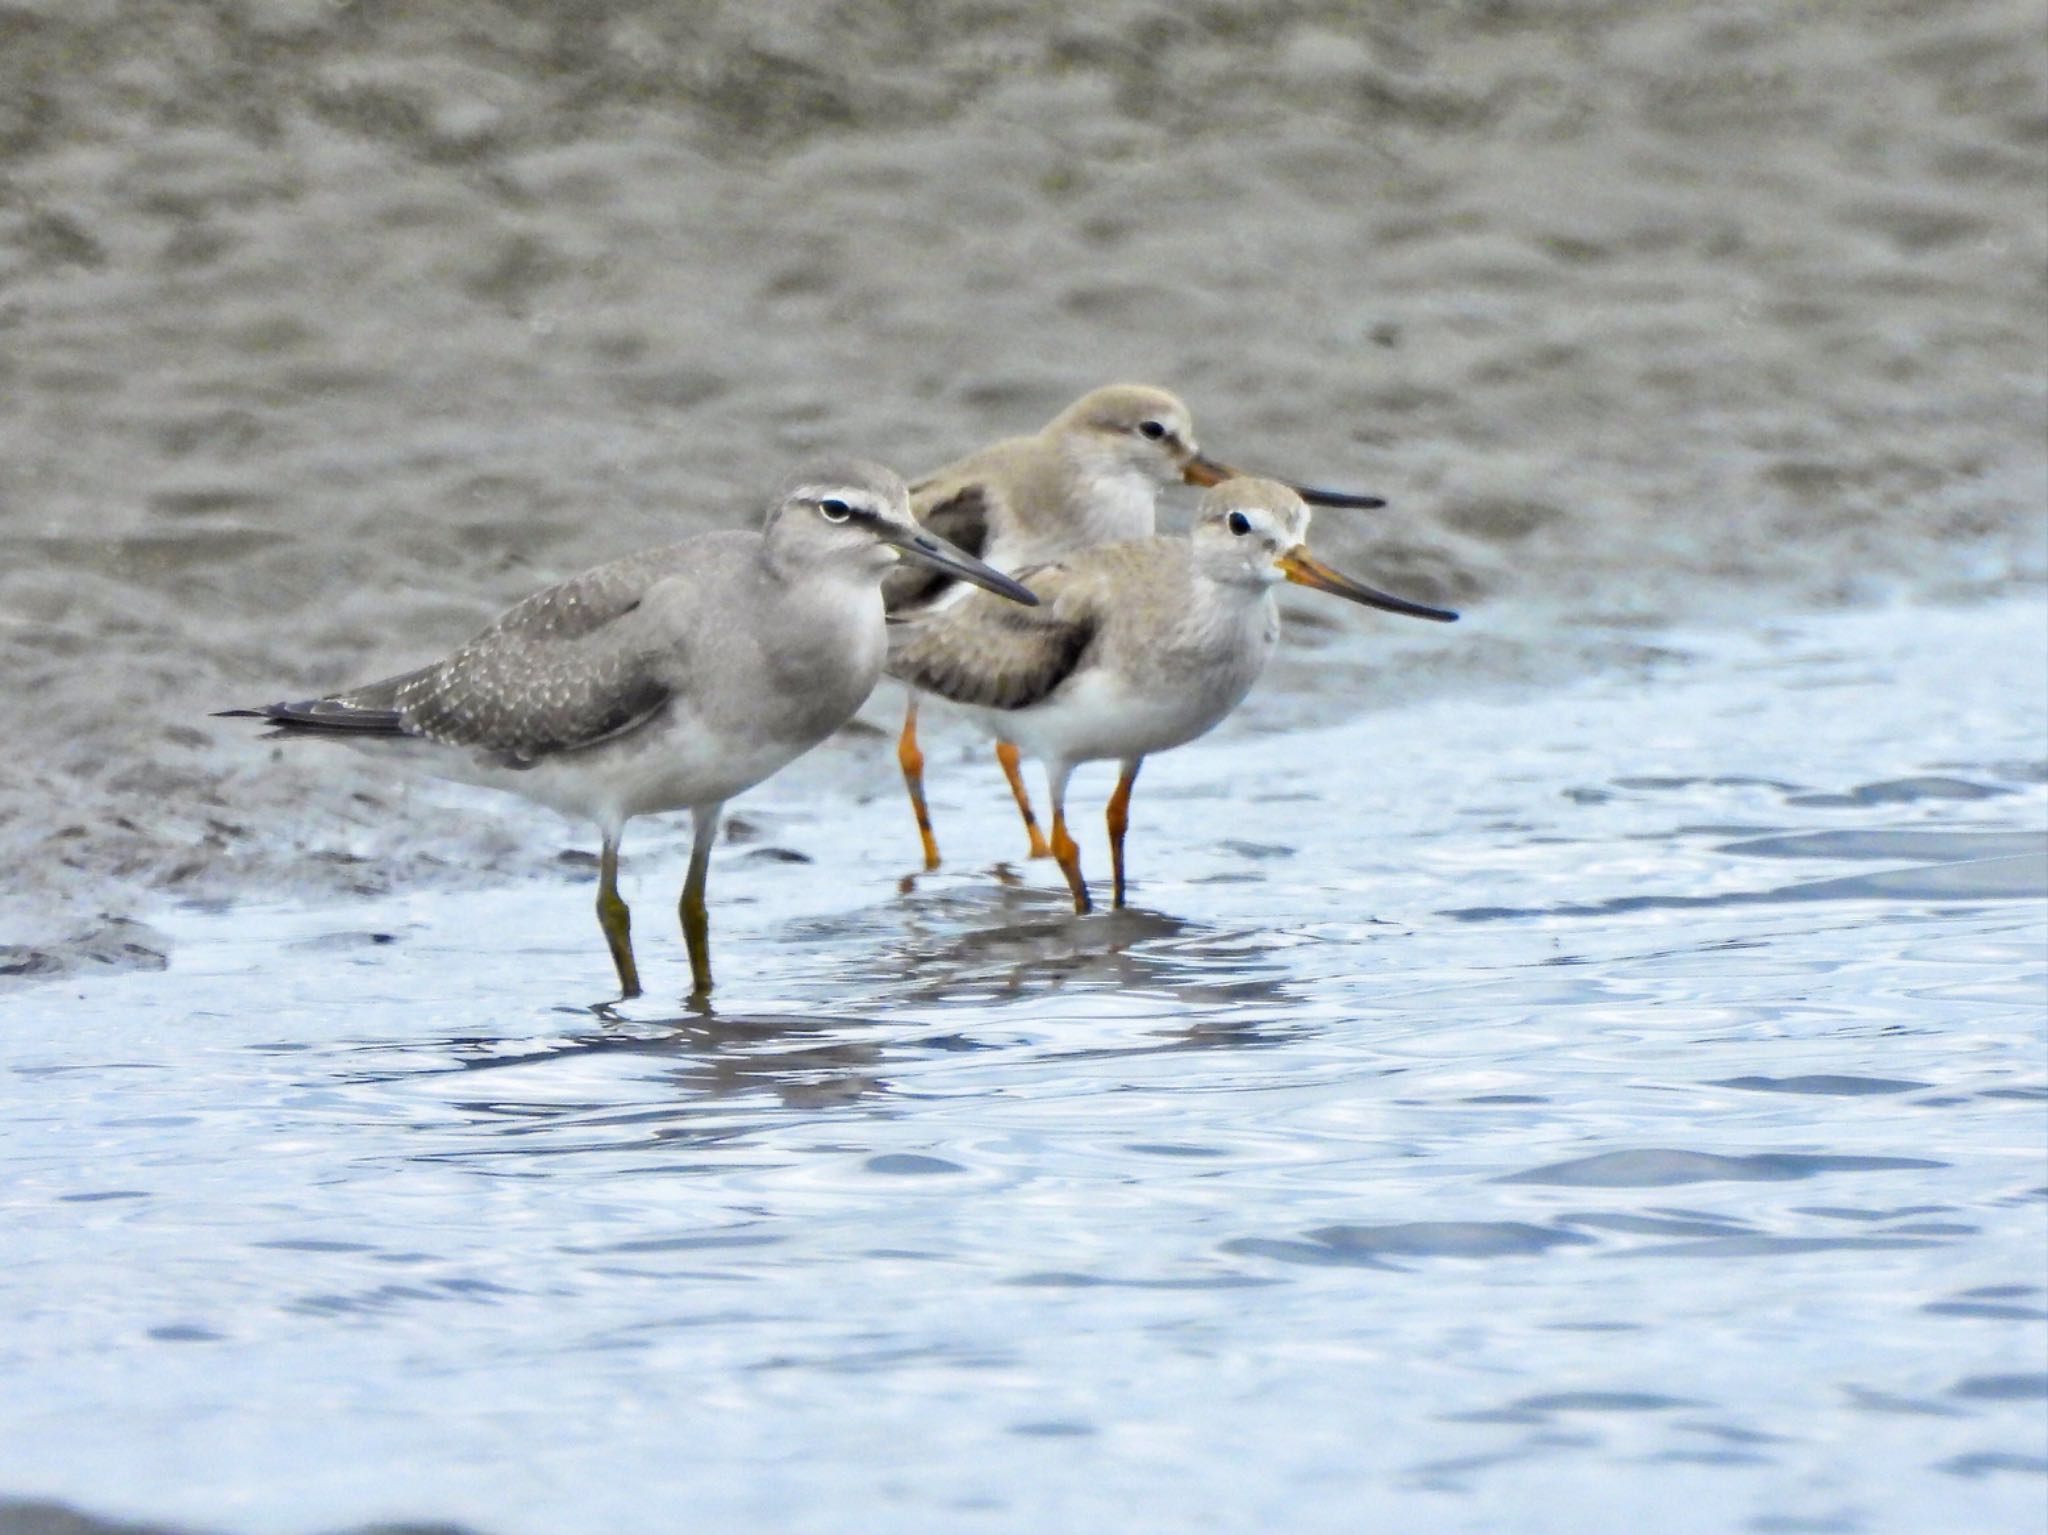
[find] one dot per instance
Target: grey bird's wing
(565, 669)
(1001, 655)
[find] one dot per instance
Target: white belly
(1095, 717)
(652, 770)
(670, 768)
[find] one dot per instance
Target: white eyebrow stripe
(857, 500)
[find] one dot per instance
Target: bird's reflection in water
(692, 1079)
(974, 948)
(905, 984)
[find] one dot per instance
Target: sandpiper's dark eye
(1238, 523)
(833, 509)
(1152, 429)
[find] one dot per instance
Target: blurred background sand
(328, 329)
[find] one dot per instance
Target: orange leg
(1069, 856)
(1063, 848)
(911, 760)
(1011, 759)
(1119, 822)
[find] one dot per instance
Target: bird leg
(614, 918)
(1011, 759)
(1119, 822)
(911, 759)
(696, 918)
(1063, 846)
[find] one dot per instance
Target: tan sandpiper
(1091, 476)
(1136, 646)
(668, 680)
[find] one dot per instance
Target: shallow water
(1625, 1107)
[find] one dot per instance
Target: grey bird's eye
(1152, 429)
(1238, 523)
(832, 509)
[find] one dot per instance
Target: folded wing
(565, 669)
(995, 654)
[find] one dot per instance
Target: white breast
(1106, 505)
(1118, 506)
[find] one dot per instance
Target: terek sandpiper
(1138, 646)
(1091, 476)
(670, 679)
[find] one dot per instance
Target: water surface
(1624, 1107)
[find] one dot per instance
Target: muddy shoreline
(328, 329)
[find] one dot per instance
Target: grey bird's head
(1255, 533)
(855, 515)
(1134, 427)
(1148, 430)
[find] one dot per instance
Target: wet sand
(328, 329)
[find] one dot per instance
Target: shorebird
(668, 680)
(1137, 647)
(1091, 476)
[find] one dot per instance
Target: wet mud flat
(328, 330)
(1618, 1107)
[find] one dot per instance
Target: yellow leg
(1012, 760)
(1119, 822)
(615, 919)
(911, 759)
(696, 918)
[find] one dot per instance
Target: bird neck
(826, 614)
(788, 566)
(1227, 611)
(1109, 497)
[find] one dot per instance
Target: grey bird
(1137, 647)
(1091, 476)
(671, 679)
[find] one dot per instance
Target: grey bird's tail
(321, 716)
